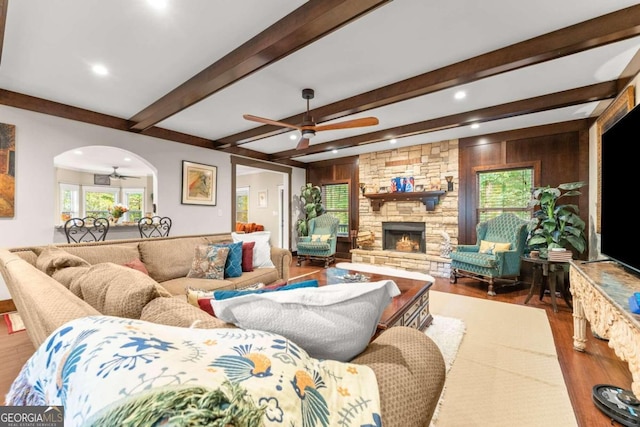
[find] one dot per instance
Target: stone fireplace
(404, 237)
(424, 248)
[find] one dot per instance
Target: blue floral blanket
(107, 370)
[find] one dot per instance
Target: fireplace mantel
(429, 198)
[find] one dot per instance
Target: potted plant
(311, 199)
(556, 225)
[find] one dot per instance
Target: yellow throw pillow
(320, 237)
(487, 247)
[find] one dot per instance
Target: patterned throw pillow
(247, 256)
(208, 262)
(490, 248)
(320, 237)
(233, 265)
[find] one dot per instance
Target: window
(98, 200)
(336, 203)
(507, 190)
(134, 200)
(242, 204)
(69, 201)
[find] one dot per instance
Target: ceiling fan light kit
(308, 127)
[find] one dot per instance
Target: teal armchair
(320, 244)
(496, 255)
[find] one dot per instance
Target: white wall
(267, 216)
(39, 138)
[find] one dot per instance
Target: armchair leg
(491, 292)
(299, 261)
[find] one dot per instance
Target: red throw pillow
(137, 264)
(205, 304)
(247, 256)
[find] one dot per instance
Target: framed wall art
(262, 199)
(199, 183)
(7, 170)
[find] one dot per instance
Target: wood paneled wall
(343, 170)
(560, 153)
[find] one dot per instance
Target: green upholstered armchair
(489, 265)
(320, 244)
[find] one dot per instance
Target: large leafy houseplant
(556, 225)
(311, 199)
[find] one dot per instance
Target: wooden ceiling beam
(596, 92)
(44, 106)
(310, 22)
(600, 31)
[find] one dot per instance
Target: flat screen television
(619, 225)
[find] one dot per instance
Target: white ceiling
(50, 46)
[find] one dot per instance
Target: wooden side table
(553, 275)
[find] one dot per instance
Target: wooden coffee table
(410, 308)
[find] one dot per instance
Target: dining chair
(155, 226)
(87, 229)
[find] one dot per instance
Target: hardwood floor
(597, 365)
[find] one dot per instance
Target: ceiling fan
(116, 175)
(308, 127)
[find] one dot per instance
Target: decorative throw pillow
(205, 298)
(53, 258)
(208, 262)
(320, 237)
(261, 250)
(137, 264)
(490, 248)
(247, 255)
(233, 264)
(329, 322)
(116, 290)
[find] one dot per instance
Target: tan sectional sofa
(408, 365)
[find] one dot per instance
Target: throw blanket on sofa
(114, 371)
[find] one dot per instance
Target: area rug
(14, 322)
(447, 333)
(506, 371)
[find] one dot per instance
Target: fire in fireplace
(404, 237)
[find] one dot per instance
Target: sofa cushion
(117, 254)
(52, 258)
(208, 262)
(180, 285)
(262, 248)
(247, 256)
(250, 278)
(66, 276)
(329, 322)
(116, 290)
(168, 259)
(176, 312)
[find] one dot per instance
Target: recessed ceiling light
(334, 151)
(293, 136)
(460, 94)
(127, 159)
(78, 152)
(393, 141)
(475, 126)
(100, 70)
(158, 4)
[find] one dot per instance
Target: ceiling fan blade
(355, 123)
(302, 144)
(269, 121)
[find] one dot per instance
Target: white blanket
(101, 368)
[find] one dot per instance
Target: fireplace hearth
(404, 237)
